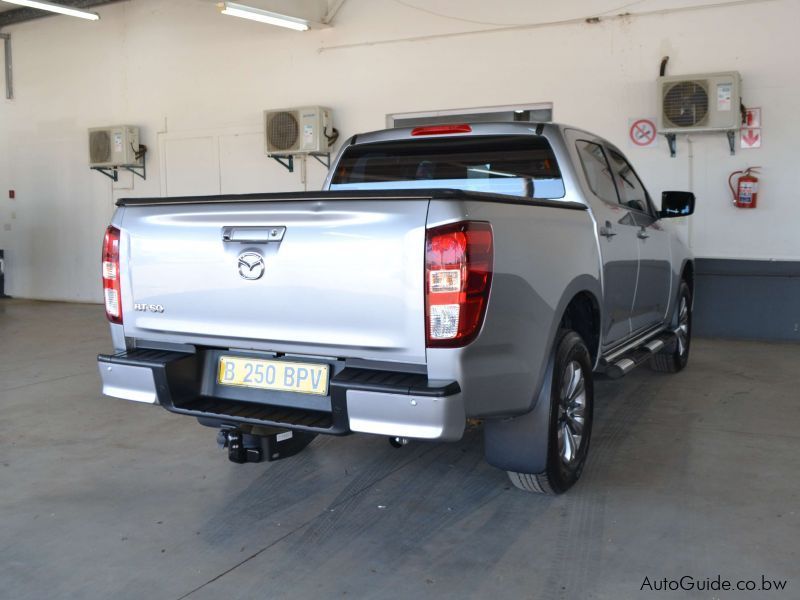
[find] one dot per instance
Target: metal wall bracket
(111, 173)
(325, 163)
(732, 141)
(673, 147)
(671, 142)
(287, 160)
(140, 171)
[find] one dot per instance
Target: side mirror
(676, 204)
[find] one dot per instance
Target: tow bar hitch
(240, 449)
(246, 448)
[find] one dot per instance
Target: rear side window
(521, 165)
(597, 170)
(631, 190)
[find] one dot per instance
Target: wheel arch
(581, 309)
(687, 274)
(582, 315)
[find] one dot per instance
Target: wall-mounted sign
(750, 134)
(752, 117)
(642, 133)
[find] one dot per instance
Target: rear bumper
(361, 400)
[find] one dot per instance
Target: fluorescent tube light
(263, 16)
(56, 8)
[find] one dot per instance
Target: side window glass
(597, 170)
(631, 191)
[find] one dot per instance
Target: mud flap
(520, 443)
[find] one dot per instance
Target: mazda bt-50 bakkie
(446, 274)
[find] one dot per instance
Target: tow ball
(246, 448)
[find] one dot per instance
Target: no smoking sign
(642, 133)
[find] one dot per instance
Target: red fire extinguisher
(745, 194)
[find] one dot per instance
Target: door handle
(253, 235)
(642, 234)
(607, 230)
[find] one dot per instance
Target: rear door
(334, 278)
(655, 270)
(619, 246)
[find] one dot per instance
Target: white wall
(181, 71)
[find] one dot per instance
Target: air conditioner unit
(306, 130)
(705, 102)
(116, 146)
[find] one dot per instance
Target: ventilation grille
(100, 146)
(685, 103)
(283, 131)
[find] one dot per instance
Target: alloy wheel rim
(683, 327)
(572, 412)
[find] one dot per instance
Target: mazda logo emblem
(251, 265)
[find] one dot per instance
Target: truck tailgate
(344, 279)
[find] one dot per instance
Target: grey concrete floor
(694, 474)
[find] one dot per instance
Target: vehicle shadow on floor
(426, 507)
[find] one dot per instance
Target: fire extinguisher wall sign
(745, 192)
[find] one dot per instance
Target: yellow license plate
(284, 376)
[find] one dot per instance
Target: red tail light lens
(111, 276)
(441, 129)
(458, 276)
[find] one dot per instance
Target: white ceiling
(499, 12)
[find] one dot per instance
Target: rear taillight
(458, 275)
(111, 276)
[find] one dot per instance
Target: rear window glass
(516, 165)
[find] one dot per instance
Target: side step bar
(627, 362)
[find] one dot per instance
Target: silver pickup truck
(446, 275)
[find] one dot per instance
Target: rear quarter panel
(543, 256)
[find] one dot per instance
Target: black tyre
(675, 357)
(571, 408)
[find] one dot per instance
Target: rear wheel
(572, 400)
(674, 359)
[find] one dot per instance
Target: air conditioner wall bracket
(287, 160)
(672, 143)
(672, 137)
(325, 163)
(111, 173)
(731, 141)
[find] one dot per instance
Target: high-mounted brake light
(111, 276)
(458, 277)
(441, 129)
